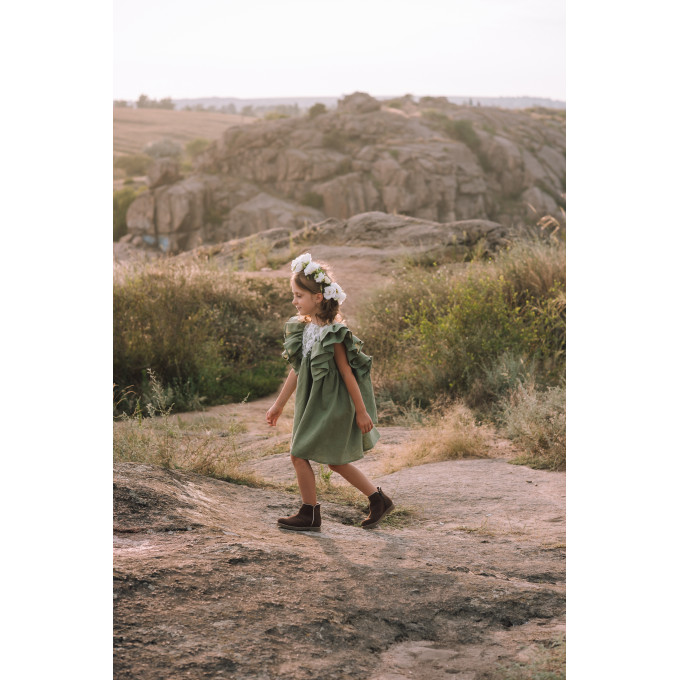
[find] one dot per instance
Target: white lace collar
(311, 334)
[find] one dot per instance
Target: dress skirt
(324, 424)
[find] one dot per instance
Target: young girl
(334, 403)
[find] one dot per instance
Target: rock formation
(433, 160)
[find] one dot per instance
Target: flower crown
(330, 290)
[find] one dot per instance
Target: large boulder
(141, 215)
(164, 171)
(264, 212)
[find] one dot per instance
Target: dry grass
(535, 421)
(450, 435)
(547, 662)
(134, 128)
(207, 447)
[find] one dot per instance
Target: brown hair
(330, 309)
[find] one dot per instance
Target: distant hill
(521, 102)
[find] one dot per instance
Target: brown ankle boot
(307, 519)
(380, 505)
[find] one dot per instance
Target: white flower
(341, 295)
(330, 291)
(326, 279)
(334, 292)
(299, 262)
(320, 276)
(311, 268)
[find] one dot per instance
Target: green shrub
(275, 115)
(473, 333)
(463, 131)
(133, 164)
(164, 148)
(121, 202)
(336, 140)
(210, 336)
(196, 147)
(317, 110)
(313, 200)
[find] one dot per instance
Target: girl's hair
(330, 309)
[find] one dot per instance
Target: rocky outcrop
(164, 171)
(433, 161)
(377, 235)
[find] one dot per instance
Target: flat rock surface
(207, 586)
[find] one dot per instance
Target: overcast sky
(278, 48)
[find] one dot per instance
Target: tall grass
(474, 332)
(535, 420)
(207, 448)
(210, 336)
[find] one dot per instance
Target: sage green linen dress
(324, 424)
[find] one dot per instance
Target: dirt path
(207, 586)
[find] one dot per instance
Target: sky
(295, 48)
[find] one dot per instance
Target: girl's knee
(337, 468)
(298, 461)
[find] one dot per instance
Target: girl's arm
(363, 419)
(288, 388)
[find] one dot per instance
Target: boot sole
(375, 524)
(287, 528)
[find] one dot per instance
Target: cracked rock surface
(207, 586)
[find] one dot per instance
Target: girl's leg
(305, 479)
(355, 477)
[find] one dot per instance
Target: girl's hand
(273, 414)
(364, 422)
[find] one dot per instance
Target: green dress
(324, 425)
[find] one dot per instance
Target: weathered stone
(539, 203)
(180, 207)
(163, 171)
(140, 214)
(265, 212)
(347, 195)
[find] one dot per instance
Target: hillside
(432, 160)
(134, 128)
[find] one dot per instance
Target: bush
(133, 164)
(275, 115)
(165, 148)
(317, 110)
(471, 334)
(121, 202)
(535, 420)
(196, 147)
(313, 200)
(461, 130)
(335, 140)
(210, 336)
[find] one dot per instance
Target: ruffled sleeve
(323, 351)
(292, 342)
